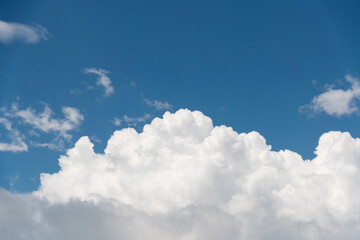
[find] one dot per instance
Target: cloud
(117, 121)
(45, 121)
(12, 180)
(10, 32)
(336, 102)
(103, 80)
(158, 105)
(39, 122)
(133, 121)
(25, 215)
(17, 143)
(132, 84)
(52, 146)
(183, 178)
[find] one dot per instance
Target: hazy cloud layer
(10, 32)
(336, 102)
(183, 178)
(103, 80)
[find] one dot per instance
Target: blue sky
(179, 120)
(248, 65)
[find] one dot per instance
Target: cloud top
(10, 32)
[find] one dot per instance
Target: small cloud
(223, 108)
(335, 102)
(17, 143)
(103, 80)
(58, 146)
(13, 180)
(132, 84)
(39, 122)
(94, 138)
(45, 121)
(117, 121)
(131, 121)
(158, 105)
(10, 32)
(75, 91)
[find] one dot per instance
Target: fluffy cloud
(183, 178)
(158, 105)
(336, 102)
(10, 32)
(103, 80)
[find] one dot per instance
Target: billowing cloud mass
(103, 80)
(336, 102)
(10, 32)
(183, 178)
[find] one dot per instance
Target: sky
(174, 114)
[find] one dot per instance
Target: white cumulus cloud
(182, 178)
(336, 102)
(10, 32)
(103, 80)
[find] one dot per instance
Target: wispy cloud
(13, 180)
(158, 105)
(39, 122)
(45, 121)
(133, 121)
(10, 32)
(335, 102)
(117, 121)
(132, 84)
(16, 143)
(103, 80)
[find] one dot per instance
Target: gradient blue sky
(248, 65)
